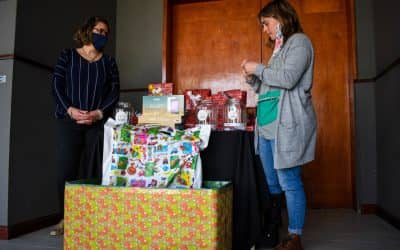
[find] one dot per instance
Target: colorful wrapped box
(107, 217)
(159, 89)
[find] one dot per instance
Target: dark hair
(83, 35)
(285, 14)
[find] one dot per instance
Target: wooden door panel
(209, 42)
(210, 39)
(318, 6)
(328, 179)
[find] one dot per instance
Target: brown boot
(291, 242)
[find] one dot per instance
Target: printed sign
(3, 78)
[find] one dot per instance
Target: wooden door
(205, 42)
(209, 40)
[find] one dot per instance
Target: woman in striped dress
(85, 88)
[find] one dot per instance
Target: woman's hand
(247, 70)
(85, 117)
(77, 114)
(92, 117)
(248, 67)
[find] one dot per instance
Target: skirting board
(8, 232)
(369, 208)
(394, 221)
(375, 209)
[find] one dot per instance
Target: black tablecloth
(230, 156)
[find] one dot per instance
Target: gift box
(165, 119)
(163, 104)
(160, 89)
(222, 97)
(194, 96)
(219, 99)
(237, 94)
(108, 217)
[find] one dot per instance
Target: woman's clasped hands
(83, 116)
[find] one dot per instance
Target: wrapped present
(152, 156)
(160, 89)
(194, 96)
(106, 217)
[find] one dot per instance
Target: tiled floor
(39, 240)
(337, 229)
(345, 229)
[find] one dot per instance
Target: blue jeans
(286, 180)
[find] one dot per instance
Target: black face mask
(99, 41)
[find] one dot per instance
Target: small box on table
(164, 110)
(163, 104)
(159, 89)
(109, 217)
(166, 119)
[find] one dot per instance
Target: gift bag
(152, 156)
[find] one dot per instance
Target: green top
(267, 112)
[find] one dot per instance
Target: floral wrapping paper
(151, 156)
(100, 217)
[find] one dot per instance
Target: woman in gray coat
(286, 122)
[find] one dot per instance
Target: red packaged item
(251, 118)
(190, 119)
(134, 120)
(159, 89)
(238, 94)
(219, 99)
(194, 96)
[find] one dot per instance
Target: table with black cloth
(230, 156)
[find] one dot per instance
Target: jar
(123, 112)
(234, 115)
(206, 113)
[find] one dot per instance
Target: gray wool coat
(292, 72)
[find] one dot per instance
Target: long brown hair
(83, 35)
(284, 12)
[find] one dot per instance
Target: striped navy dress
(83, 84)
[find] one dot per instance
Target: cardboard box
(165, 119)
(163, 104)
(107, 217)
